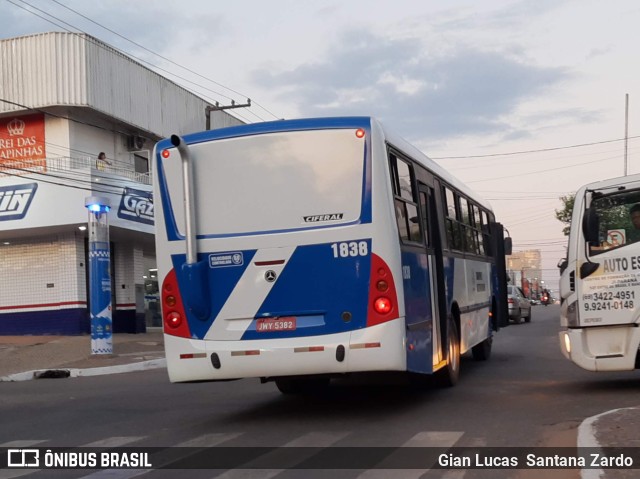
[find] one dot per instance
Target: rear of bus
(288, 276)
(600, 278)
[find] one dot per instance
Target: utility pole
(218, 107)
(626, 131)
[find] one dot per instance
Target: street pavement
(40, 357)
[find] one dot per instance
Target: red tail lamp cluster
(175, 319)
(383, 300)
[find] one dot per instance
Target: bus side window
(486, 233)
(405, 200)
(401, 219)
(424, 205)
(466, 222)
(477, 225)
(454, 235)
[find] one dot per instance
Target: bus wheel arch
(482, 350)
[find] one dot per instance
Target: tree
(564, 215)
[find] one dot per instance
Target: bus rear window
(273, 182)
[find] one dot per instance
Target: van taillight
(175, 319)
(383, 301)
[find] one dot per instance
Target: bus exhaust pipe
(195, 272)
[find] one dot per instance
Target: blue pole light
(99, 275)
(98, 208)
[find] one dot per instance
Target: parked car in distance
(519, 305)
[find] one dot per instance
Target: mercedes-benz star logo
(270, 276)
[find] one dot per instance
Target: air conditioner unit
(135, 142)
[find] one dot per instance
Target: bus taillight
(383, 301)
(175, 319)
(382, 305)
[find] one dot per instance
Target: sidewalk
(28, 357)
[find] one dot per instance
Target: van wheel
(448, 376)
(302, 385)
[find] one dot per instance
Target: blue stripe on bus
(169, 219)
(319, 290)
(272, 127)
(222, 282)
(261, 128)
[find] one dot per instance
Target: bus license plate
(276, 324)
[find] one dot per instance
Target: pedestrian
(102, 162)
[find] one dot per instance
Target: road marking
(206, 440)
(316, 439)
(115, 441)
(280, 455)
(210, 440)
(441, 439)
(23, 443)
(12, 473)
(434, 439)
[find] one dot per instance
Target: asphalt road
(526, 395)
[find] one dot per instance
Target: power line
(102, 46)
(530, 151)
(546, 170)
(167, 59)
(85, 188)
(27, 172)
(90, 39)
(554, 158)
(524, 198)
(110, 130)
(534, 192)
(40, 16)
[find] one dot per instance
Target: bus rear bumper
(377, 348)
(602, 348)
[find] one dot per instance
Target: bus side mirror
(562, 265)
(590, 226)
(508, 246)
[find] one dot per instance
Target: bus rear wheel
(301, 385)
(482, 351)
(448, 376)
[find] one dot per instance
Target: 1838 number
(350, 249)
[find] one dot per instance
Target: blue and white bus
(301, 250)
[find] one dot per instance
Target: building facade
(64, 99)
(524, 269)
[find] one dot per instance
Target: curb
(587, 438)
(75, 372)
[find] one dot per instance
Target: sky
(522, 100)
